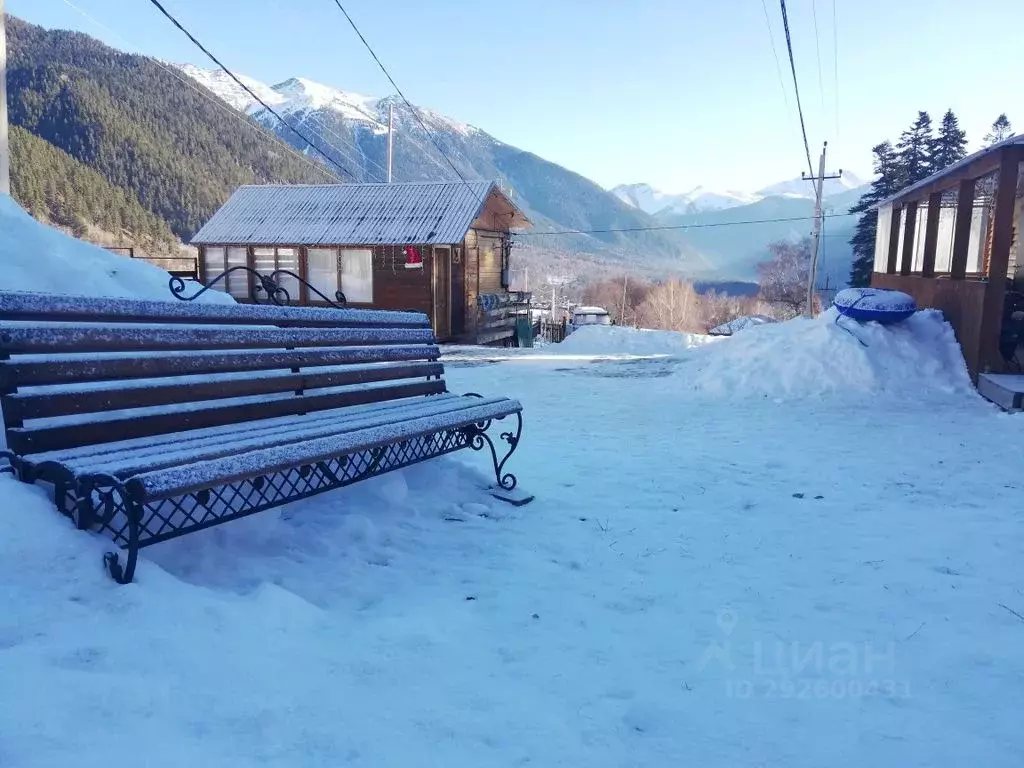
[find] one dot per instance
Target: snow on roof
(590, 311)
(350, 214)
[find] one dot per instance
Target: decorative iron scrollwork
(478, 439)
(265, 288)
(100, 498)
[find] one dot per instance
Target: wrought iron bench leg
(478, 439)
(10, 466)
(112, 498)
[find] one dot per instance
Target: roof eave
(977, 158)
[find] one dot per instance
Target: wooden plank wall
(490, 262)
(961, 302)
(472, 283)
(395, 287)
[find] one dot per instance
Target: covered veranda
(952, 241)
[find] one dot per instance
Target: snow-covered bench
(152, 419)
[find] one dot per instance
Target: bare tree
(672, 306)
(619, 295)
(783, 278)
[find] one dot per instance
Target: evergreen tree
(914, 150)
(950, 145)
(1001, 129)
(890, 180)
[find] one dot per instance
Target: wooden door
(442, 292)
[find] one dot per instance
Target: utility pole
(5, 150)
(391, 136)
(819, 188)
(622, 310)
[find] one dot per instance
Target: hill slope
(55, 187)
(149, 134)
(735, 249)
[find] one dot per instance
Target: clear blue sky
(672, 92)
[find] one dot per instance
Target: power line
(249, 90)
(835, 63)
(817, 50)
(190, 83)
(398, 90)
(775, 53)
(679, 226)
(796, 87)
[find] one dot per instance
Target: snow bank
(802, 358)
(616, 340)
(36, 257)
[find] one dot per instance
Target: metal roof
(349, 214)
(949, 170)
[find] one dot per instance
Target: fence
(185, 267)
(550, 330)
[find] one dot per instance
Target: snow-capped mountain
(228, 90)
(654, 201)
(701, 199)
(352, 129)
(804, 189)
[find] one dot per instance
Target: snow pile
(616, 340)
(803, 358)
(36, 257)
(739, 324)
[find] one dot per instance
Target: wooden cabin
(952, 241)
(441, 248)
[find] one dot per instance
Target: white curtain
(322, 265)
(357, 275)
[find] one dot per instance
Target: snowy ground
(785, 548)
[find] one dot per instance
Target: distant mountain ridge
(352, 129)
(701, 199)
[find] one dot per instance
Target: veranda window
(217, 260)
(267, 260)
(347, 269)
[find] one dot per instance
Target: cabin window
(322, 271)
(357, 275)
(213, 264)
(347, 269)
(238, 282)
(268, 260)
(217, 260)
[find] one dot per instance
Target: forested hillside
(54, 187)
(159, 141)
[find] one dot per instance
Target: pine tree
(890, 180)
(1001, 129)
(950, 145)
(914, 150)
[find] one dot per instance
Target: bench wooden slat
(36, 405)
(50, 308)
(126, 463)
(172, 441)
(192, 477)
(26, 340)
(34, 440)
(110, 368)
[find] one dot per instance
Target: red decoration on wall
(413, 258)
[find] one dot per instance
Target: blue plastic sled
(875, 305)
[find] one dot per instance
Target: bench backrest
(82, 371)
